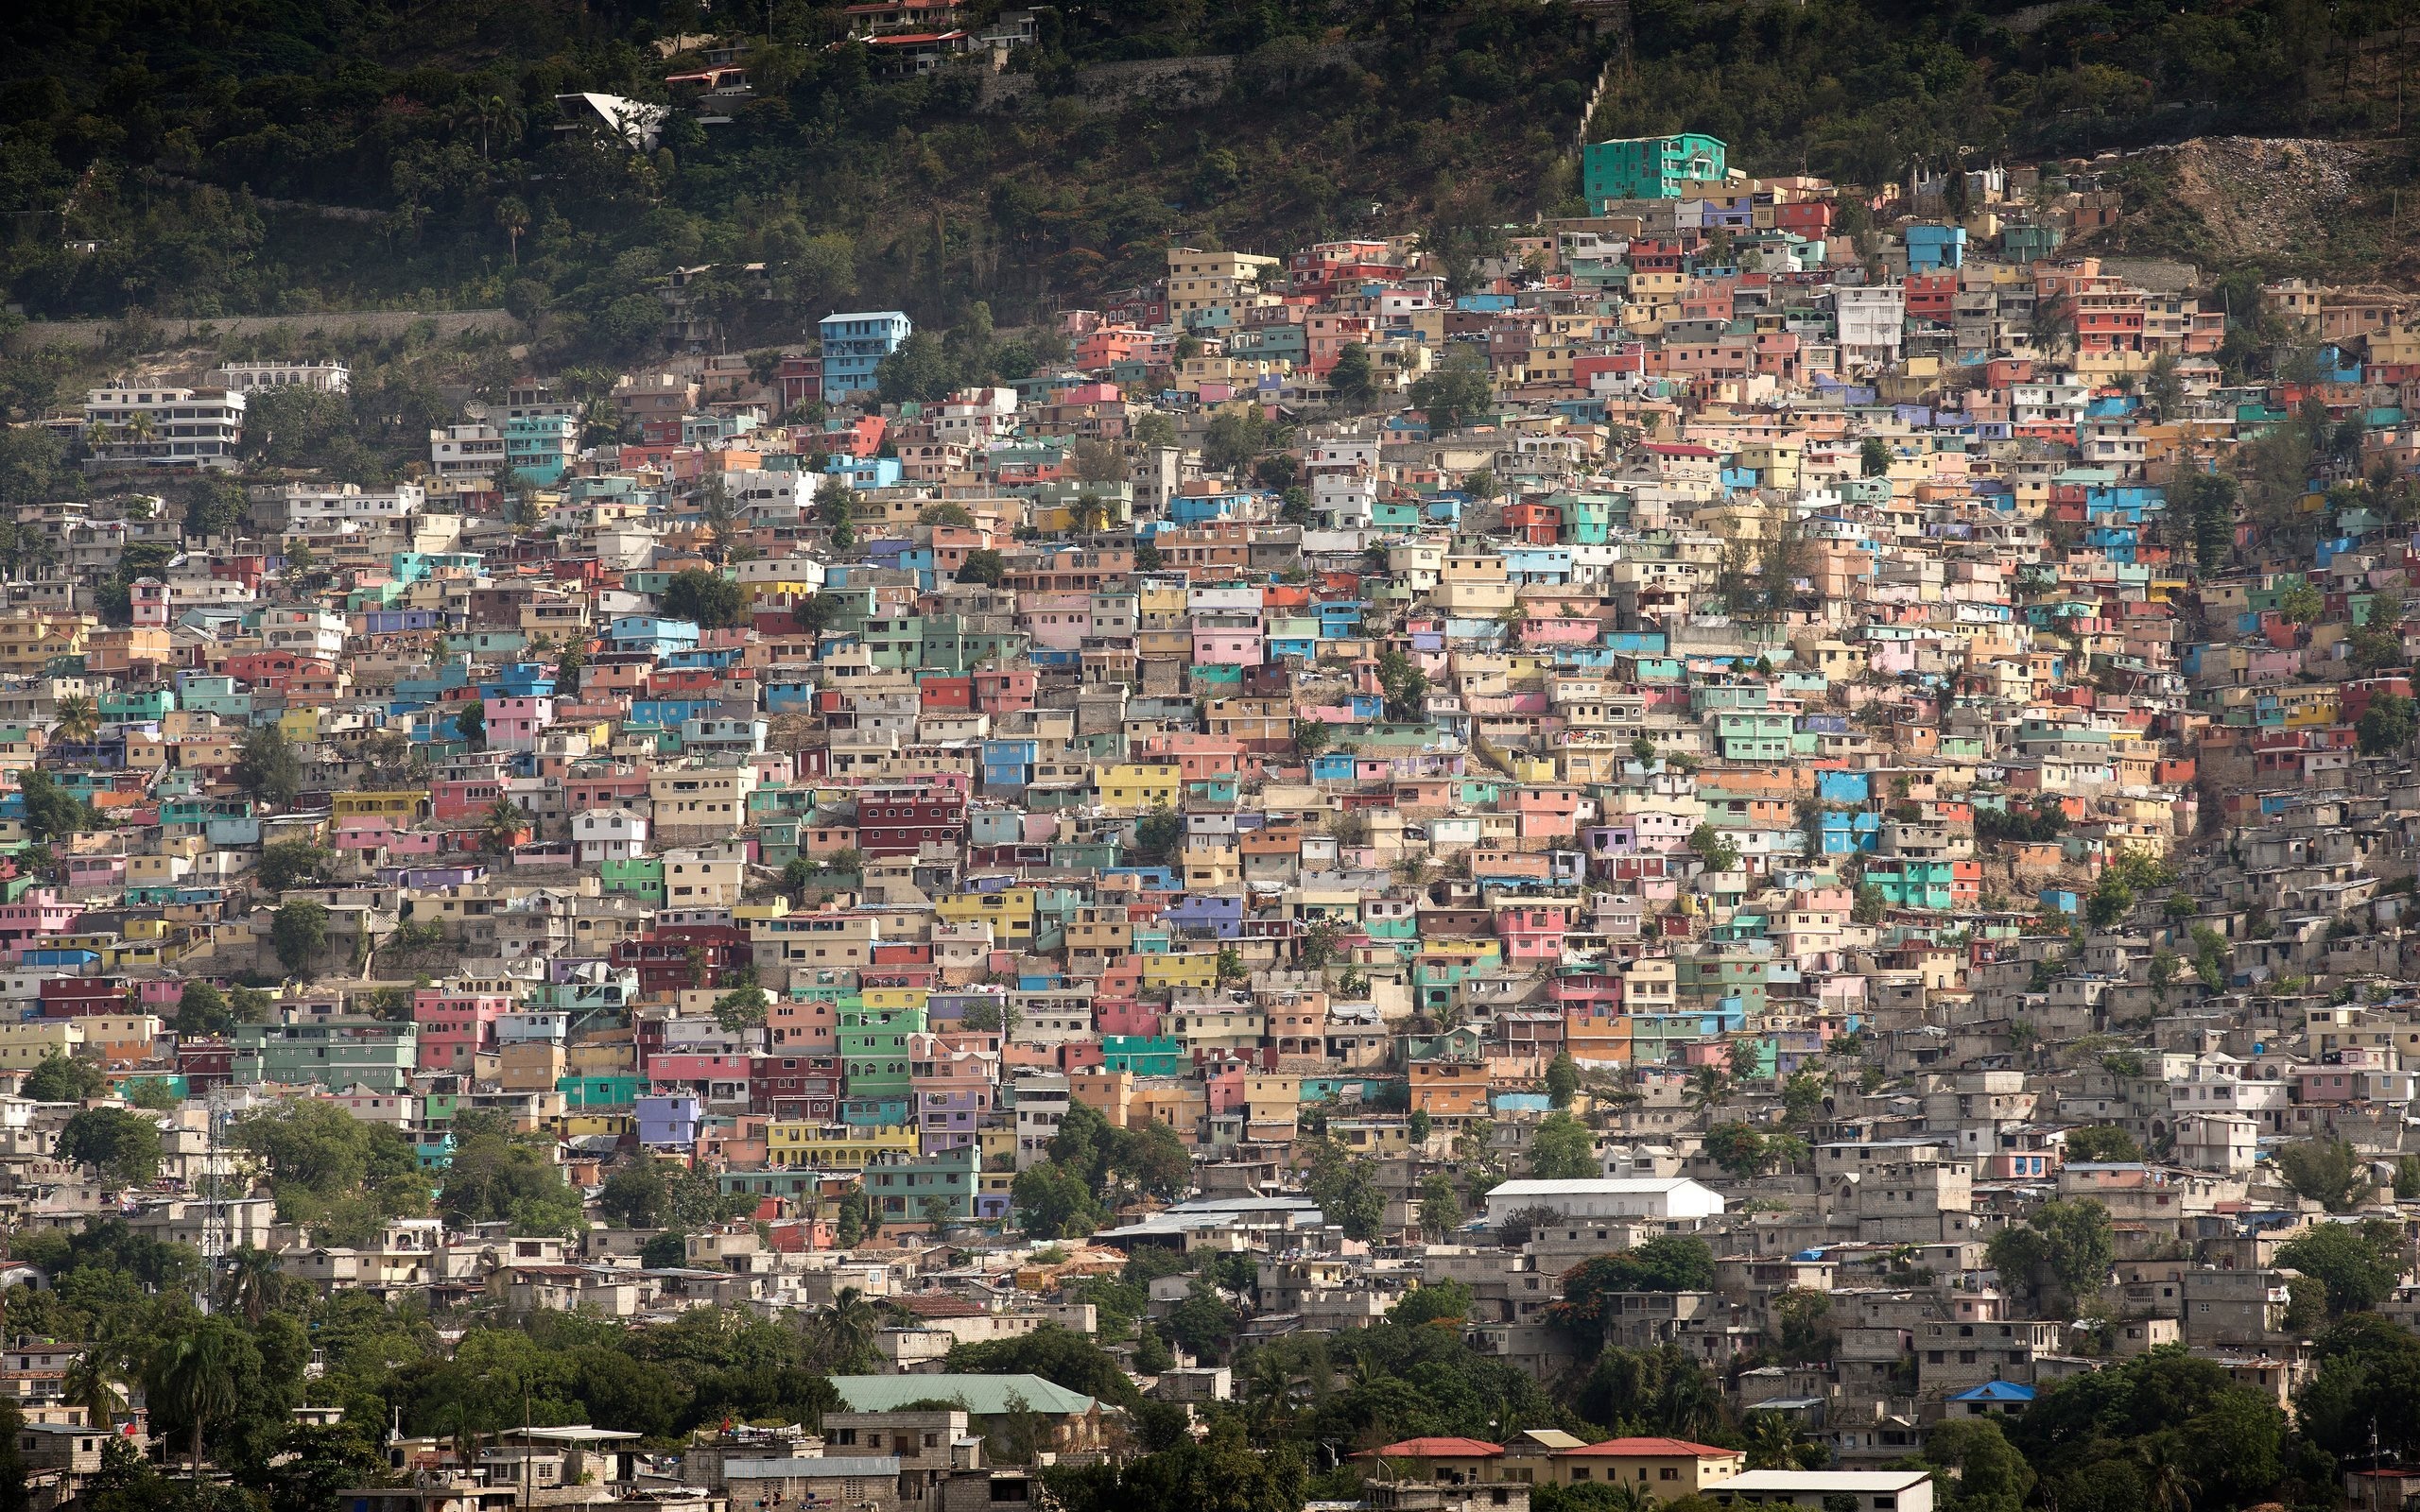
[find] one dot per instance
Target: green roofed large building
(983, 1396)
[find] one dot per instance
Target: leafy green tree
(1457, 391)
(1563, 1080)
(1991, 1476)
(1802, 1098)
(1057, 1355)
(2067, 1240)
(1874, 458)
(1354, 384)
(1158, 834)
(60, 1079)
(2327, 1172)
(1739, 1149)
(2105, 1431)
(984, 566)
(51, 811)
(708, 599)
(1404, 687)
(124, 1146)
(1802, 1319)
(498, 1177)
(291, 862)
(2386, 725)
(2102, 1143)
(299, 932)
(2301, 604)
(1714, 849)
(1562, 1149)
(2365, 1381)
(742, 1007)
(636, 1196)
(1668, 1262)
(332, 1173)
(1053, 1203)
(1202, 1322)
(268, 767)
(1346, 1189)
(195, 1381)
(1441, 1208)
(2211, 503)
(2359, 1263)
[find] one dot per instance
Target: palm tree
(253, 1283)
(513, 217)
(842, 1339)
(2171, 1489)
(1773, 1441)
(93, 1383)
(76, 718)
(1267, 1393)
(1089, 514)
(505, 822)
(1707, 1087)
(194, 1378)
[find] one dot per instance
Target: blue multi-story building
(854, 345)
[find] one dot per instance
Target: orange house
(1449, 1089)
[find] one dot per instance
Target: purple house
(667, 1120)
(1221, 914)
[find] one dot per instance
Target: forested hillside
(413, 153)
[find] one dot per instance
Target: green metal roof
(984, 1396)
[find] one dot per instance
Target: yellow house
(894, 999)
(23, 1046)
(1194, 968)
(1138, 787)
(300, 726)
(403, 805)
(1010, 912)
(789, 1146)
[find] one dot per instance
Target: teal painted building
(1649, 167)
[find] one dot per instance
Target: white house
(1879, 1490)
(609, 835)
(1659, 1199)
(255, 377)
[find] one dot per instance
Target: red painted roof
(1433, 1448)
(1652, 1447)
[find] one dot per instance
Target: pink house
(515, 723)
(39, 912)
(456, 1025)
(1057, 622)
(803, 1028)
(1229, 641)
(96, 871)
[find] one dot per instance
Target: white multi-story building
(476, 450)
(304, 631)
(135, 426)
(348, 506)
(255, 377)
(1873, 322)
(769, 496)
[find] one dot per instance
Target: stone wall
(35, 334)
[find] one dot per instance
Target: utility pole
(216, 1224)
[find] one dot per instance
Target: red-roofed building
(1455, 1461)
(1667, 1467)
